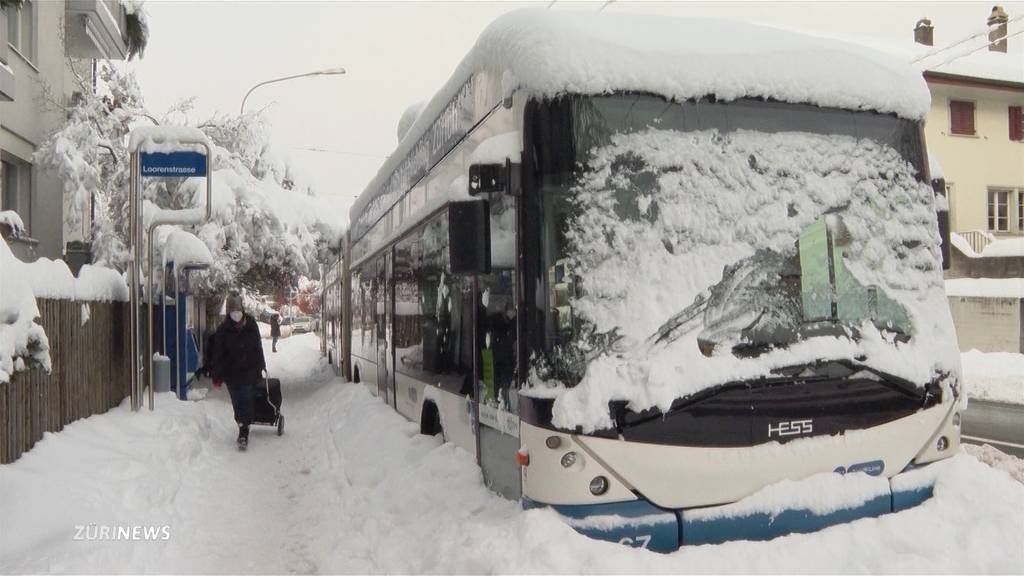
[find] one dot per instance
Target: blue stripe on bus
(662, 530)
(636, 523)
(763, 526)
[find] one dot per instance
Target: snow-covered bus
(646, 267)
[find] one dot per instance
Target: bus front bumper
(641, 524)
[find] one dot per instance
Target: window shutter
(961, 117)
(1016, 124)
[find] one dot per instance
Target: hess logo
(791, 428)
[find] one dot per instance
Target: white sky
(397, 53)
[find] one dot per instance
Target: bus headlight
(599, 485)
(568, 459)
(942, 444)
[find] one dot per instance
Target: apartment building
(42, 44)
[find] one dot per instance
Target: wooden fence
(91, 374)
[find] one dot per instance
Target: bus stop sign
(182, 164)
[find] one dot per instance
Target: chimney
(924, 32)
(997, 29)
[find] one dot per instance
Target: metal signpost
(158, 152)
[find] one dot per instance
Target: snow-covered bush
(23, 343)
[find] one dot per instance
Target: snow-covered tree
(264, 231)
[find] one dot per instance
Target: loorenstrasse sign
(183, 164)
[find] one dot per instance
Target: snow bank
(186, 249)
(740, 199)
(820, 494)
(165, 139)
(1005, 248)
(551, 52)
(353, 488)
(995, 376)
(997, 459)
(21, 338)
(986, 287)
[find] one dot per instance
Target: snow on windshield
(674, 231)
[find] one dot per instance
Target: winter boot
(243, 436)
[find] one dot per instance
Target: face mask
(236, 316)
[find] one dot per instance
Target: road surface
(995, 423)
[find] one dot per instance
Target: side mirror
(469, 237)
(488, 178)
(939, 187)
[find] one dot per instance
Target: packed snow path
(351, 487)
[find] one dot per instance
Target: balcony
(6, 74)
(95, 29)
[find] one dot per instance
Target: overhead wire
(972, 51)
(972, 36)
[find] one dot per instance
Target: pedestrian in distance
(238, 361)
(275, 329)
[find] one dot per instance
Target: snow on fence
(90, 374)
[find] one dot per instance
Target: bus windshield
(681, 245)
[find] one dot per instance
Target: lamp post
(324, 72)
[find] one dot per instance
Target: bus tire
(355, 375)
(430, 420)
(330, 358)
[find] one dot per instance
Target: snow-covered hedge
(21, 338)
(23, 343)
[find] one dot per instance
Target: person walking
(275, 329)
(238, 361)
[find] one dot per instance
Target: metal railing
(978, 239)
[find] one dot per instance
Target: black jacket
(238, 352)
(275, 326)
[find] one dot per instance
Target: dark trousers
(274, 346)
(242, 400)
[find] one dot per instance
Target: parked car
(302, 325)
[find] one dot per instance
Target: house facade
(43, 45)
(976, 131)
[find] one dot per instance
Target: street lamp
(324, 72)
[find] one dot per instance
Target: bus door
(497, 353)
(384, 316)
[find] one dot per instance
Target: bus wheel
(430, 420)
(330, 358)
(355, 375)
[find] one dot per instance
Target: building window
(1020, 211)
(1016, 124)
(999, 210)
(16, 194)
(961, 117)
(21, 28)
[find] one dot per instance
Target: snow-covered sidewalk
(351, 487)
